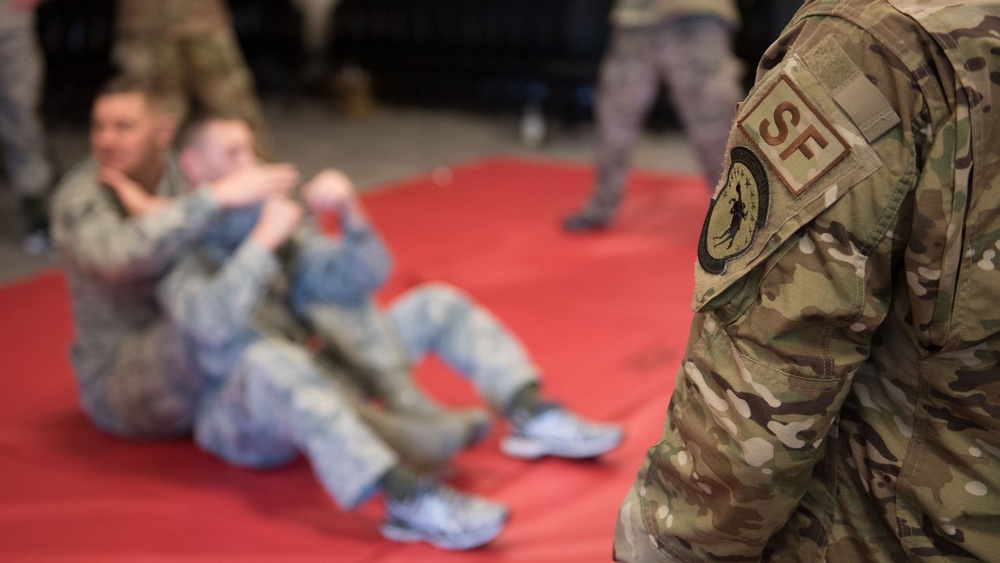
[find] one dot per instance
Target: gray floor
(391, 145)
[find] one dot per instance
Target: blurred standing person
(190, 45)
(21, 131)
(686, 45)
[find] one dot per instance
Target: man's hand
(132, 196)
(332, 190)
(278, 220)
(254, 184)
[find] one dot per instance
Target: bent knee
(441, 294)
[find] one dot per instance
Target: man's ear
(188, 162)
(166, 130)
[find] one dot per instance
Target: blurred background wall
(478, 55)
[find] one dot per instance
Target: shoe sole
(526, 448)
(473, 539)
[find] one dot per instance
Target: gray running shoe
(557, 432)
(444, 518)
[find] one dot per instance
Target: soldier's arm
(92, 230)
(214, 305)
(786, 308)
(347, 268)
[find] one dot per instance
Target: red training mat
(605, 317)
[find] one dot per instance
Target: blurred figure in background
(21, 130)
(687, 45)
(190, 45)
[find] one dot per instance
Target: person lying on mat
(327, 286)
(117, 241)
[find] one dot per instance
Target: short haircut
(159, 97)
(196, 122)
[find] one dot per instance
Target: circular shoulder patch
(736, 214)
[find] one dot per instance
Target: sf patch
(736, 214)
(794, 138)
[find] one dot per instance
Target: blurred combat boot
(399, 393)
(357, 340)
(424, 443)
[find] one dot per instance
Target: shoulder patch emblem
(736, 214)
(796, 140)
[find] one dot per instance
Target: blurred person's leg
(274, 405)
(627, 88)
(21, 131)
(148, 388)
(438, 319)
(703, 78)
(221, 81)
(441, 320)
(359, 337)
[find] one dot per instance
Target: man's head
(214, 146)
(132, 124)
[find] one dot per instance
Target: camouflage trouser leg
(150, 58)
(222, 82)
(211, 70)
(632, 542)
(702, 74)
(274, 405)
(150, 390)
(693, 57)
(20, 125)
(431, 319)
(439, 319)
(627, 88)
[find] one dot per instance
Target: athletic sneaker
(557, 432)
(443, 517)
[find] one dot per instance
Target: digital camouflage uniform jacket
(640, 13)
(113, 262)
(224, 297)
(840, 393)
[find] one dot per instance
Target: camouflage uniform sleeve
(795, 274)
(346, 269)
(214, 305)
(91, 230)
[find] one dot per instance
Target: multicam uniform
(838, 399)
(20, 88)
(134, 376)
(686, 44)
(189, 45)
(268, 399)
